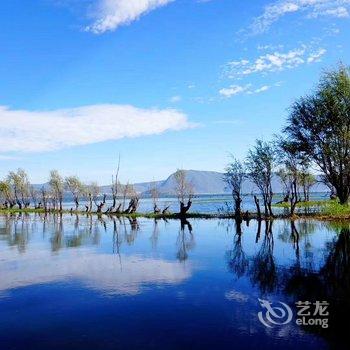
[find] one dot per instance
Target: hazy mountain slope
(204, 182)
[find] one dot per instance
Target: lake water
(210, 204)
(77, 282)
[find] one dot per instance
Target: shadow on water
(300, 282)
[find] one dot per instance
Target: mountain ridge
(203, 181)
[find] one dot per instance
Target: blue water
(210, 204)
(77, 282)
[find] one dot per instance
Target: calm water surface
(86, 283)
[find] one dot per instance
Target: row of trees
(17, 191)
(263, 161)
(317, 135)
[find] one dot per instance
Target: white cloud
(110, 14)
(313, 8)
(316, 56)
(100, 272)
(242, 89)
(276, 61)
(234, 90)
(38, 131)
(262, 89)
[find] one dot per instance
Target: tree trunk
(257, 204)
(185, 208)
(270, 208)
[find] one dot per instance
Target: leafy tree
(234, 177)
(76, 187)
(319, 127)
(7, 194)
(290, 172)
(307, 180)
(56, 183)
(260, 163)
(19, 182)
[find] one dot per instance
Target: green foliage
(319, 129)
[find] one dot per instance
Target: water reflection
(213, 271)
(185, 240)
(304, 279)
(98, 270)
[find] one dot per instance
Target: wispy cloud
(313, 9)
(175, 99)
(5, 157)
(234, 90)
(243, 89)
(262, 89)
(110, 14)
(39, 131)
(272, 62)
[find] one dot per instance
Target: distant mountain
(204, 182)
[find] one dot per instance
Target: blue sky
(165, 84)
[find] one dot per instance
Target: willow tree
(19, 182)
(260, 164)
(7, 195)
(75, 187)
(319, 127)
(56, 183)
(234, 177)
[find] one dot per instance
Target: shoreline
(175, 216)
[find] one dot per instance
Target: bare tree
(155, 196)
(56, 183)
(260, 163)
(184, 191)
(133, 201)
(234, 177)
(94, 193)
(76, 188)
(115, 187)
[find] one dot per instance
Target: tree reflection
(237, 260)
(185, 240)
(263, 271)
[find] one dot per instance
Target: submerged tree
(56, 183)
(319, 127)
(115, 187)
(234, 177)
(260, 163)
(75, 187)
(20, 184)
(134, 200)
(155, 196)
(184, 191)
